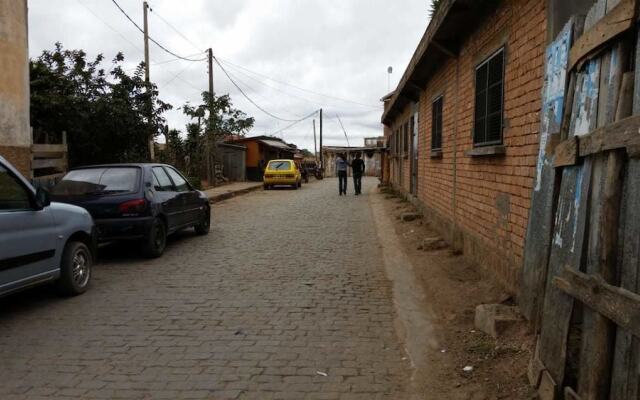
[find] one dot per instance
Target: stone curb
(225, 196)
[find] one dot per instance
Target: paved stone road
(288, 284)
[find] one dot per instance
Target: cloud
(338, 48)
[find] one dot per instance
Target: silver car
(41, 241)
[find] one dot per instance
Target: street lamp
(389, 72)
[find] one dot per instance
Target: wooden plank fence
(48, 162)
(581, 274)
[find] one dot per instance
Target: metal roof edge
(419, 53)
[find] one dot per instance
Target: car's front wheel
(156, 239)
(202, 228)
(75, 269)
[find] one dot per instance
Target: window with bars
(489, 101)
(436, 124)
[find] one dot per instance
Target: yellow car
(282, 172)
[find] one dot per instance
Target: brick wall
(19, 157)
(491, 197)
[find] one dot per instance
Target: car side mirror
(42, 198)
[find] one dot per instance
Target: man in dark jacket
(358, 171)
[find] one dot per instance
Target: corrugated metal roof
(276, 144)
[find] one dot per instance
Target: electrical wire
(177, 75)
(253, 78)
(298, 87)
(238, 67)
(250, 99)
(156, 64)
(153, 40)
(295, 123)
(195, 46)
(135, 46)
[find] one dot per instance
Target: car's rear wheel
(75, 269)
(156, 240)
(202, 228)
(300, 184)
(266, 187)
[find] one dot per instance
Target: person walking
(342, 167)
(358, 170)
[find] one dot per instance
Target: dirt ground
(453, 288)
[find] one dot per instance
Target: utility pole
(147, 79)
(315, 146)
(321, 156)
(209, 132)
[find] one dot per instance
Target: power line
(195, 46)
(159, 63)
(177, 75)
(250, 99)
(255, 94)
(150, 38)
(276, 88)
(295, 123)
(176, 30)
(129, 41)
(110, 27)
(298, 87)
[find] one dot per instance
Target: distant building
(15, 134)
(379, 141)
(261, 150)
(372, 156)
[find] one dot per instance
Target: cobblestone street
(288, 287)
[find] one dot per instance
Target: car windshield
(97, 181)
(279, 165)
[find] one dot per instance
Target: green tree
(105, 114)
(224, 121)
(435, 4)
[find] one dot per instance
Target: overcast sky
(271, 48)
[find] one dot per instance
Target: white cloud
(338, 48)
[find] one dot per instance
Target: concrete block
(434, 243)
(410, 216)
(493, 319)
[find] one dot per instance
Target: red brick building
(463, 124)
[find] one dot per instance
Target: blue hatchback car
(41, 241)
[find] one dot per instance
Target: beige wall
(15, 136)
